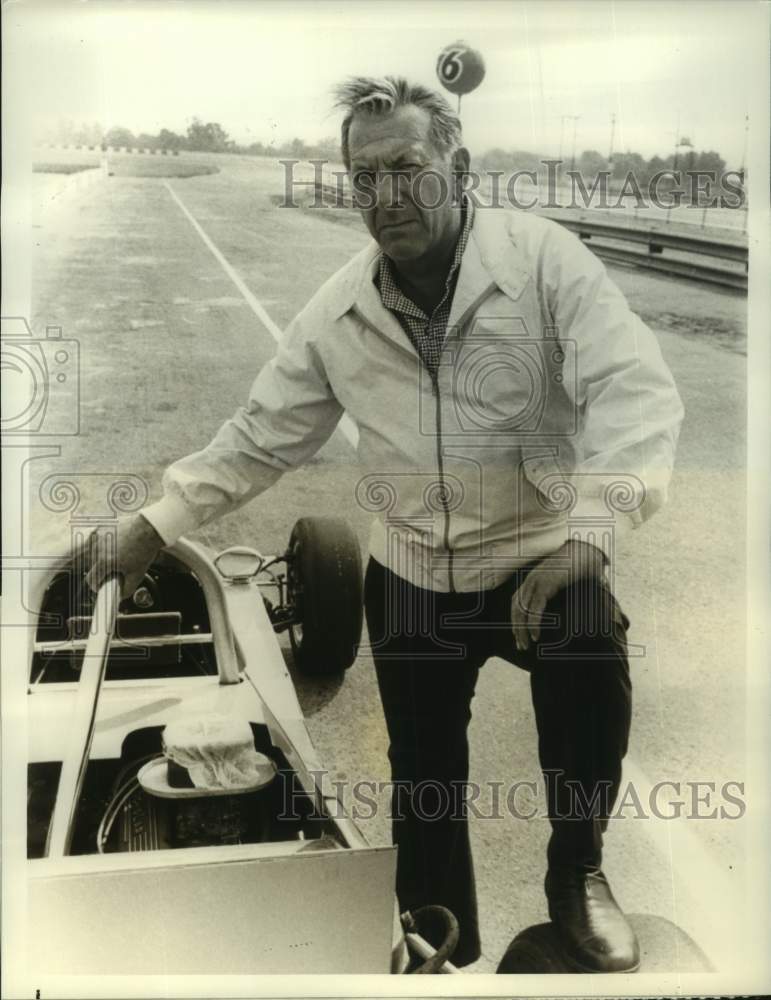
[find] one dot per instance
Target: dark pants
(428, 648)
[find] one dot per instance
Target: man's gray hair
(381, 96)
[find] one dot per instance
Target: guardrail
(656, 241)
(693, 246)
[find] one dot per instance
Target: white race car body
(307, 896)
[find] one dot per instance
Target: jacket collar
(491, 260)
(498, 254)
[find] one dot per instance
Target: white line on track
(693, 867)
(346, 426)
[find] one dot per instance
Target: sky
(265, 70)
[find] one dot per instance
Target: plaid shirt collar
(392, 296)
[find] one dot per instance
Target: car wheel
(324, 576)
(534, 951)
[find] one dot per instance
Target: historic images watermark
(41, 381)
(550, 186)
(526, 799)
(41, 404)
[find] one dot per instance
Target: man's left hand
(572, 562)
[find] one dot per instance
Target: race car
(134, 868)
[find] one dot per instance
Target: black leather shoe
(595, 934)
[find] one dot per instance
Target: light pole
(563, 119)
(573, 156)
(677, 139)
(744, 149)
(612, 136)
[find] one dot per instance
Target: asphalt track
(176, 289)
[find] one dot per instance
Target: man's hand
(572, 562)
(137, 544)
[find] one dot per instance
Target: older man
(504, 395)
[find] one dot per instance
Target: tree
(656, 164)
(208, 138)
(710, 160)
(590, 163)
(88, 135)
(327, 148)
(119, 137)
(146, 141)
(689, 160)
(704, 174)
(630, 163)
(496, 159)
(297, 149)
(171, 140)
(521, 159)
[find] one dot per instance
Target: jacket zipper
(442, 484)
(440, 463)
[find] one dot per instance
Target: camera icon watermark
(41, 381)
(505, 383)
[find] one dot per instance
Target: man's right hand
(137, 543)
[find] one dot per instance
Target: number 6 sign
(460, 68)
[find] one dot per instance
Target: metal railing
(655, 241)
(604, 238)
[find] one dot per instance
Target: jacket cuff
(171, 518)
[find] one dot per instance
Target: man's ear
(461, 161)
(460, 165)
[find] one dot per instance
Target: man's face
(411, 215)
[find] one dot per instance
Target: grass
(62, 168)
(151, 166)
(126, 164)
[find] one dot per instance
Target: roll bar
(194, 557)
(75, 760)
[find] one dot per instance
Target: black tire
(325, 587)
(534, 951)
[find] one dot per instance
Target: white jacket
(554, 416)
